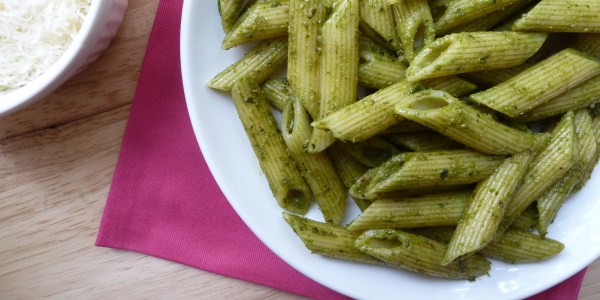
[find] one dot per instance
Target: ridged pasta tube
(477, 226)
(460, 12)
(281, 171)
(378, 67)
(473, 51)
(513, 246)
(551, 200)
(277, 92)
(259, 64)
(583, 95)
(230, 10)
(516, 246)
(339, 67)
(305, 18)
(538, 84)
(415, 25)
(375, 113)
(418, 254)
(265, 19)
(550, 164)
(328, 239)
(317, 169)
(424, 211)
(487, 22)
(447, 115)
(378, 15)
(562, 16)
(414, 170)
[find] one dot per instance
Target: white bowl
(235, 168)
(98, 29)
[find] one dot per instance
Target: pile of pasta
(479, 122)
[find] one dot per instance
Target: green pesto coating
(425, 170)
(284, 178)
(328, 239)
(259, 63)
(316, 168)
(413, 212)
(265, 19)
(447, 115)
(418, 254)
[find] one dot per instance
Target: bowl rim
(61, 70)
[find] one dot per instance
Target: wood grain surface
(57, 158)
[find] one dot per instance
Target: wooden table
(57, 158)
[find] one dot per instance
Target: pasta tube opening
(438, 9)
(419, 38)
(385, 240)
(287, 123)
(429, 56)
(295, 198)
(428, 103)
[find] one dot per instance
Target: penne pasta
(368, 117)
(303, 55)
(479, 119)
(317, 169)
(484, 212)
(415, 25)
(516, 246)
(513, 246)
(339, 67)
(449, 116)
(378, 68)
(259, 64)
(265, 19)
(375, 113)
(424, 211)
(281, 171)
(328, 239)
(230, 10)
(473, 51)
(487, 22)
(277, 92)
(537, 85)
(423, 141)
(414, 170)
(583, 95)
(549, 165)
(459, 12)
(561, 16)
(418, 254)
(553, 198)
(378, 15)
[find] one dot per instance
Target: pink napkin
(163, 200)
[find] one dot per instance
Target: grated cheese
(34, 34)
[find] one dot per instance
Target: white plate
(232, 162)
